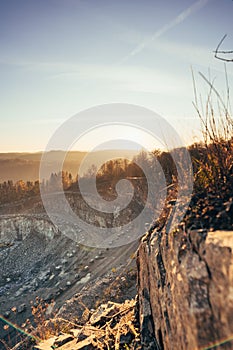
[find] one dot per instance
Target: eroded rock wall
(18, 227)
(185, 286)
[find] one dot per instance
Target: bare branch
(223, 52)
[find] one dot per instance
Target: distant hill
(25, 166)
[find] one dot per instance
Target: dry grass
(111, 326)
(213, 159)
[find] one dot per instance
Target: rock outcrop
(18, 227)
(185, 286)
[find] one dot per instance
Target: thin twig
(224, 52)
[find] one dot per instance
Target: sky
(60, 57)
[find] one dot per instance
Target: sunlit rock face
(185, 286)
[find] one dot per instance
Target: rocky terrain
(184, 280)
(184, 298)
(37, 260)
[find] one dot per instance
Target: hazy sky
(59, 57)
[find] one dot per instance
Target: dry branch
(223, 52)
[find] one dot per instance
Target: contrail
(179, 19)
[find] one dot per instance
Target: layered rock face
(18, 227)
(185, 286)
